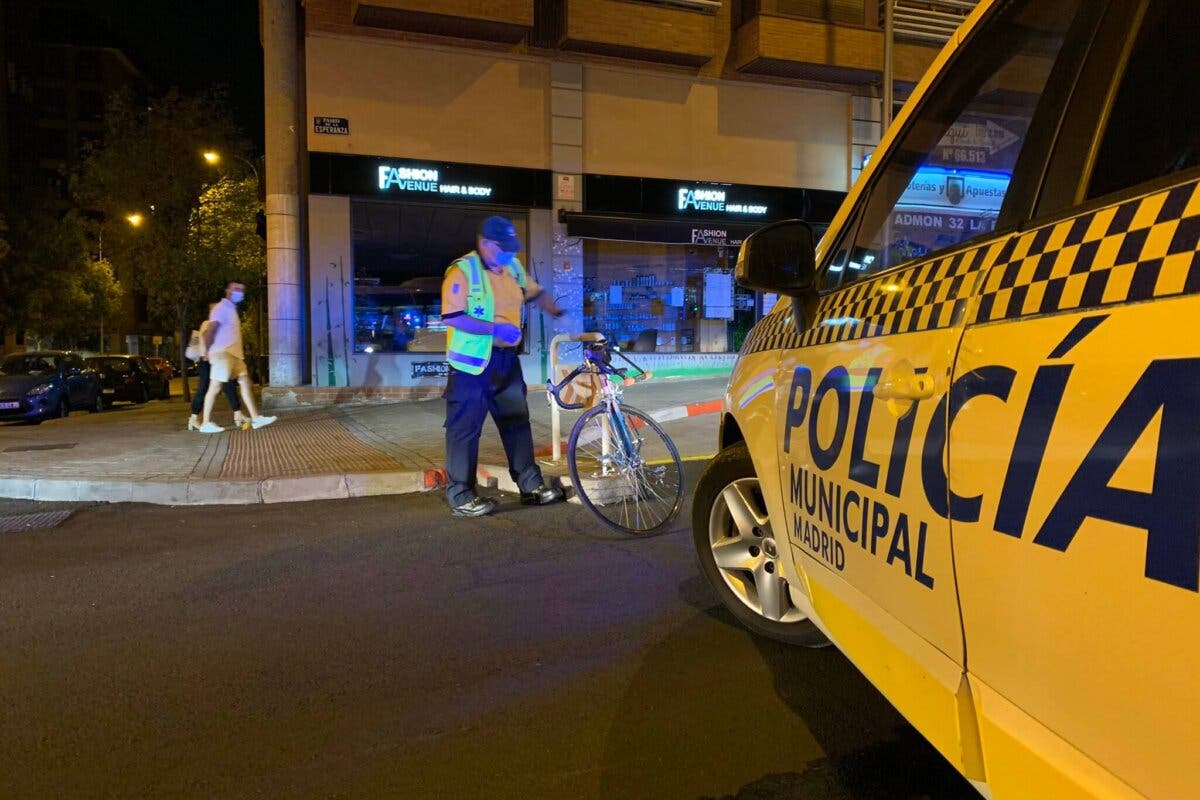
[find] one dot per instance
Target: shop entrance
(672, 298)
(401, 253)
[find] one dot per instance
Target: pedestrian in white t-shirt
(223, 342)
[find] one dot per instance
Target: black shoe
(542, 496)
(477, 507)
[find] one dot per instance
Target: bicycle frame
(596, 361)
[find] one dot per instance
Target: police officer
(482, 296)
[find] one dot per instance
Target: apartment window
(87, 65)
(52, 103)
(53, 144)
(844, 12)
(54, 62)
(89, 105)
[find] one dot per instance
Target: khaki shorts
(226, 367)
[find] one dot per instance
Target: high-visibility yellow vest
(470, 352)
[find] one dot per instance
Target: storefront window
(672, 298)
(401, 253)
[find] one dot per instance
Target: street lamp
(214, 158)
(134, 219)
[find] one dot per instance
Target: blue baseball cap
(501, 231)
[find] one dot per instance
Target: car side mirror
(779, 258)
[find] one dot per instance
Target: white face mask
(237, 297)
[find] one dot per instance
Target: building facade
(635, 144)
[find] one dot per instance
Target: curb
(202, 492)
(690, 410)
(299, 488)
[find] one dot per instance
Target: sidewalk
(144, 454)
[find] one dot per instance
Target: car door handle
(905, 387)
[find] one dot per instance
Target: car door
(146, 373)
(146, 377)
(1079, 568)
(80, 381)
(862, 426)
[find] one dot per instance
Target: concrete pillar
(566, 160)
(285, 304)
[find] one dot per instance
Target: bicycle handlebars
(597, 357)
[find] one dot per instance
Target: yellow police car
(964, 446)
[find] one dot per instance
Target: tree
(52, 285)
(104, 293)
(17, 280)
(5, 298)
(150, 164)
(224, 244)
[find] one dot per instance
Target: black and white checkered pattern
(926, 296)
(1142, 249)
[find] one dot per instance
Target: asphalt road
(378, 648)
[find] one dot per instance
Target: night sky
(194, 44)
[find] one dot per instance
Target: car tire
(143, 396)
(741, 562)
(64, 408)
(97, 404)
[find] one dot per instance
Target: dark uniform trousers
(500, 391)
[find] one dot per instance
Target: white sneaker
(211, 427)
(262, 422)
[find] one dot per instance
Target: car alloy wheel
(746, 554)
(739, 553)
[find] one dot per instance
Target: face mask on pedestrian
(503, 258)
(237, 297)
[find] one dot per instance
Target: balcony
(830, 41)
(506, 21)
(680, 33)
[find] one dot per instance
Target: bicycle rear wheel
(633, 484)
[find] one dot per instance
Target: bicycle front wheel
(625, 470)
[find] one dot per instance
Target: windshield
(109, 364)
(29, 365)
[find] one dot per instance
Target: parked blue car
(38, 386)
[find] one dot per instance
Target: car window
(111, 364)
(29, 365)
(1154, 124)
(946, 181)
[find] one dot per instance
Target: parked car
(162, 365)
(129, 378)
(40, 385)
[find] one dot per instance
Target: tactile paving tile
(17, 523)
(312, 444)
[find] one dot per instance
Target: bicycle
(625, 469)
